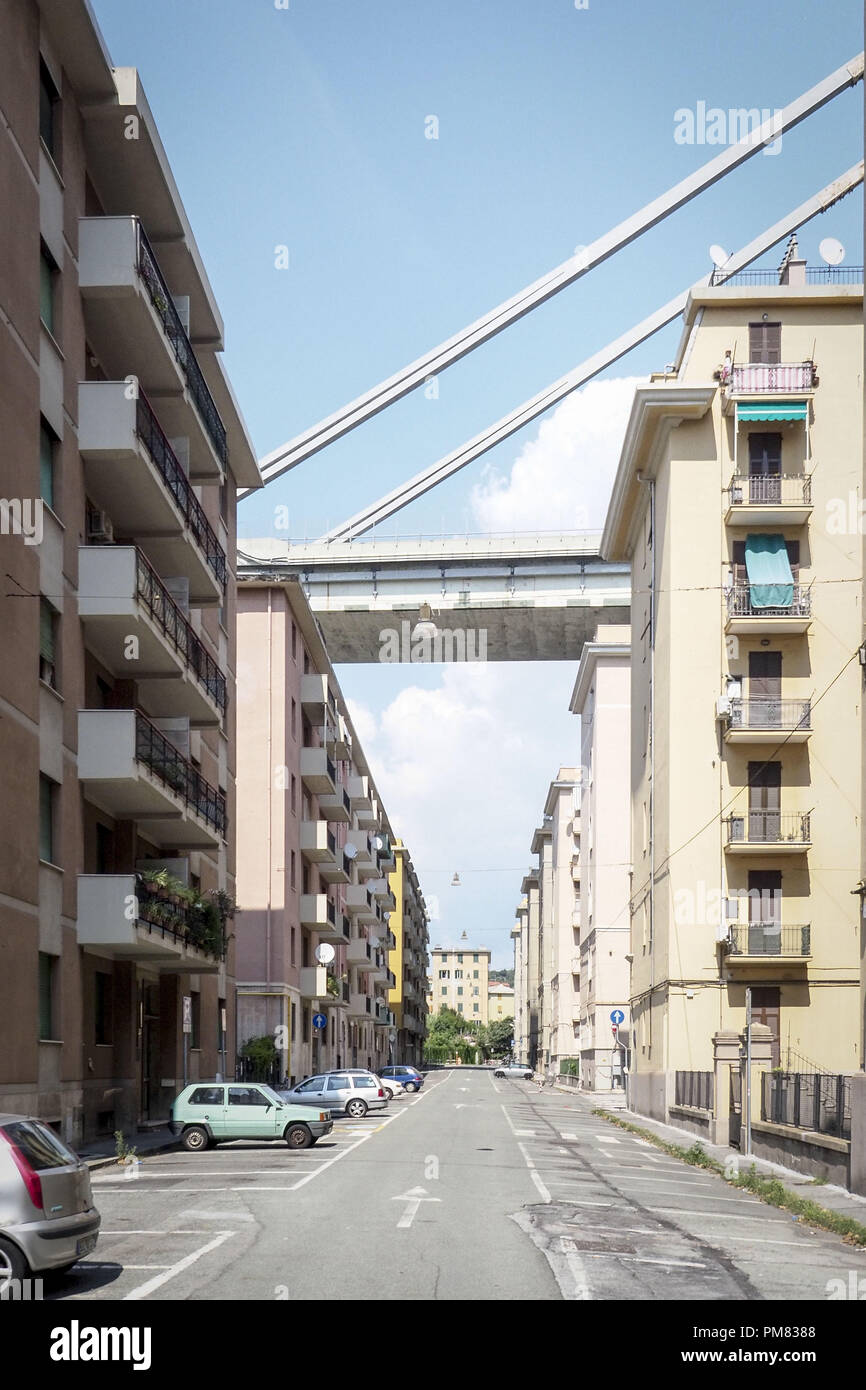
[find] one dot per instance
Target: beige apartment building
(546, 934)
(407, 998)
(601, 698)
(737, 502)
(122, 452)
(500, 1001)
(460, 981)
(315, 849)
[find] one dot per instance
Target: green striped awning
(772, 410)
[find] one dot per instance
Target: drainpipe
(642, 478)
(270, 794)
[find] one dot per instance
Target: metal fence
(807, 1100)
(771, 489)
(770, 939)
(695, 1088)
(740, 603)
(769, 828)
(770, 713)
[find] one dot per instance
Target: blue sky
(305, 127)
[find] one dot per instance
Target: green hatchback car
(208, 1113)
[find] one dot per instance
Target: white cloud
(463, 770)
(562, 479)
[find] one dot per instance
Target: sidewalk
(837, 1199)
(102, 1153)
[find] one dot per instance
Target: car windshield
(39, 1145)
(271, 1095)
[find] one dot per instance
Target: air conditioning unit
(99, 528)
(723, 707)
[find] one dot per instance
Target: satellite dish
(378, 842)
(350, 850)
(719, 256)
(386, 916)
(325, 953)
(374, 941)
(831, 251)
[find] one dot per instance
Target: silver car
(352, 1093)
(514, 1069)
(47, 1217)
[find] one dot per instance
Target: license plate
(85, 1245)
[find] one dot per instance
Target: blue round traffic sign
(319, 1020)
(617, 1016)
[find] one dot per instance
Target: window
(444, 989)
(40, 1145)
(47, 457)
(195, 1015)
(49, 100)
(337, 1083)
(47, 967)
(294, 722)
(294, 802)
(102, 1001)
(47, 644)
(444, 974)
(246, 1095)
(104, 849)
(475, 974)
(475, 958)
(207, 1095)
(292, 876)
(47, 285)
(765, 342)
(458, 974)
(459, 989)
(293, 952)
(475, 1008)
(293, 1011)
(294, 645)
(315, 1083)
(459, 960)
(47, 804)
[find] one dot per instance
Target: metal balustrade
(174, 625)
(767, 712)
(171, 767)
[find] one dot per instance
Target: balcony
(314, 697)
(382, 893)
(319, 847)
(132, 473)
(745, 618)
(360, 1006)
(336, 809)
(768, 719)
(774, 500)
(360, 952)
(382, 1015)
(335, 736)
(768, 832)
(135, 329)
(768, 941)
(131, 770)
(318, 773)
(121, 597)
(338, 993)
(360, 904)
(364, 858)
(158, 933)
(772, 379)
(320, 915)
(314, 981)
(359, 793)
(386, 858)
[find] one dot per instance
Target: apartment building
(601, 697)
(500, 1001)
(122, 452)
(736, 502)
(315, 850)
(407, 999)
(547, 934)
(460, 981)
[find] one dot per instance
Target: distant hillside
(505, 977)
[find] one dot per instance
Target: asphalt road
(475, 1189)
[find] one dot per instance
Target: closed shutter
(765, 342)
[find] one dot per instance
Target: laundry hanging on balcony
(768, 569)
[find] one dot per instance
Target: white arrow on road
(465, 1105)
(413, 1200)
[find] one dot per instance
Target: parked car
(410, 1078)
(209, 1113)
(391, 1087)
(514, 1069)
(47, 1217)
(347, 1092)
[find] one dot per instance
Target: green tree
(500, 1037)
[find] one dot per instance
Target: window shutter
(765, 342)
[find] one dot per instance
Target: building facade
(315, 851)
(500, 1001)
(122, 452)
(601, 698)
(407, 998)
(736, 503)
(460, 981)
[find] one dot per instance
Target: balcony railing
(768, 490)
(168, 764)
(769, 828)
(154, 596)
(770, 939)
(186, 923)
(740, 604)
(163, 303)
(778, 377)
(151, 434)
(770, 713)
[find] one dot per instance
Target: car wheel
(413, 1086)
(527, 1076)
(195, 1139)
(389, 1094)
(499, 1073)
(298, 1137)
(13, 1265)
(357, 1109)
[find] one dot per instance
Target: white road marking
(223, 1215)
(641, 1259)
(525, 1133)
(156, 1233)
(413, 1199)
(578, 1273)
(573, 1137)
(347, 1150)
(203, 1173)
(173, 1270)
(545, 1195)
(608, 1139)
(573, 1203)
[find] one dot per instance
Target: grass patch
(769, 1190)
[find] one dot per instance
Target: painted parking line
(534, 1174)
(151, 1285)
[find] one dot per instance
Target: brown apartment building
(121, 449)
(325, 888)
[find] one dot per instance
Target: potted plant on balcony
(156, 880)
